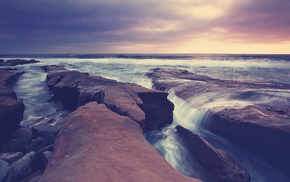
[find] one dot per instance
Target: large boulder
(220, 166)
(97, 144)
(150, 108)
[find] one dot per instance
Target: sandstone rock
(220, 165)
(267, 132)
(11, 157)
(96, 144)
(187, 84)
(23, 165)
(151, 109)
(11, 113)
(263, 128)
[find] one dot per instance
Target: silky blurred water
(191, 113)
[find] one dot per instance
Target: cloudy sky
(144, 26)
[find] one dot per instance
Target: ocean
(189, 113)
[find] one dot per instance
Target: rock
(46, 157)
(48, 128)
(37, 144)
(11, 157)
(14, 62)
(25, 134)
(8, 76)
(4, 169)
(263, 130)
(23, 165)
(220, 165)
(14, 145)
(187, 84)
(34, 177)
(6, 91)
(96, 144)
(75, 89)
(11, 113)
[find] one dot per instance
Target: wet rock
(220, 165)
(75, 89)
(37, 144)
(263, 130)
(11, 109)
(11, 157)
(94, 138)
(46, 157)
(14, 62)
(45, 128)
(4, 169)
(11, 113)
(6, 91)
(14, 145)
(25, 134)
(8, 76)
(23, 165)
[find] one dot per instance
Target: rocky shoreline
(24, 152)
(103, 138)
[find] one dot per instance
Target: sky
(144, 26)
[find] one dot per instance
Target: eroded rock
(103, 146)
(259, 121)
(151, 109)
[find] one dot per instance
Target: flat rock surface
(150, 108)
(96, 144)
(261, 124)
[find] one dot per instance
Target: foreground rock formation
(263, 128)
(97, 144)
(149, 108)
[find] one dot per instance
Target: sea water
(190, 113)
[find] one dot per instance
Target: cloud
(110, 25)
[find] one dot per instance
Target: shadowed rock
(11, 113)
(150, 108)
(6, 78)
(11, 109)
(96, 144)
(219, 165)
